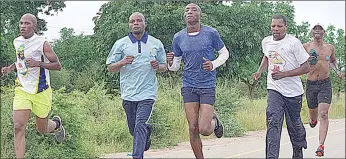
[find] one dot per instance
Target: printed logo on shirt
(21, 62)
(276, 62)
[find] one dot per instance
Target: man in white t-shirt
(32, 89)
(286, 59)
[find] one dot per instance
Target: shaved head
(28, 25)
(31, 17)
(137, 14)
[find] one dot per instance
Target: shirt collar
(144, 38)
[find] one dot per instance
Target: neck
(193, 27)
(280, 38)
(318, 42)
(138, 36)
(29, 35)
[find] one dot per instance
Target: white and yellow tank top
(31, 79)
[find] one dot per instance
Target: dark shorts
(199, 95)
(318, 92)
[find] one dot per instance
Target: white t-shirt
(31, 79)
(284, 55)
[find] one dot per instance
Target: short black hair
(279, 16)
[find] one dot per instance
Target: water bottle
(314, 59)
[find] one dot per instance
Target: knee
(19, 128)
(204, 131)
(324, 114)
(273, 121)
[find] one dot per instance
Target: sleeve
(299, 52)
(161, 55)
(218, 44)
(115, 54)
(175, 47)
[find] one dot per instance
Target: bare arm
(52, 57)
(12, 67)
(303, 69)
(264, 64)
(333, 63)
(115, 67)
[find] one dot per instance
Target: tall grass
(252, 114)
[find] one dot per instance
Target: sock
(57, 123)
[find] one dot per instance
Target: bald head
(137, 14)
(30, 17)
(137, 23)
(27, 25)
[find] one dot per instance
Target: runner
(138, 57)
(319, 88)
(195, 45)
(33, 93)
(285, 59)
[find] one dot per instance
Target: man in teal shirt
(137, 57)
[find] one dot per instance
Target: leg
(42, 104)
(324, 100)
(208, 120)
(44, 125)
(274, 116)
(324, 122)
(141, 132)
(311, 97)
(295, 126)
(20, 119)
(191, 105)
(130, 110)
(192, 111)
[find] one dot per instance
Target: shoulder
(267, 39)
(307, 45)
(330, 46)
(293, 39)
(180, 33)
(154, 40)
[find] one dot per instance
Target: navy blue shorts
(199, 95)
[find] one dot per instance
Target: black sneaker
(147, 145)
(297, 153)
(60, 131)
(218, 131)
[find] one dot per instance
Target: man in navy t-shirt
(195, 46)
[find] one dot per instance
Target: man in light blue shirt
(137, 57)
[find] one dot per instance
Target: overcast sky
(78, 15)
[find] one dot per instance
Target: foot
(313, 123)
(320, 151)
(147, 145)
(218, 131)
(297, 153)
(60, 131)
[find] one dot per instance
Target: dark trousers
(278, 107)
(138, 114)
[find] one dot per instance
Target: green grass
(252, 114)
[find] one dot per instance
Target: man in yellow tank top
(35, 58)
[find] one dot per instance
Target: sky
(80, 17)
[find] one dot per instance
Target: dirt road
(253, 145)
